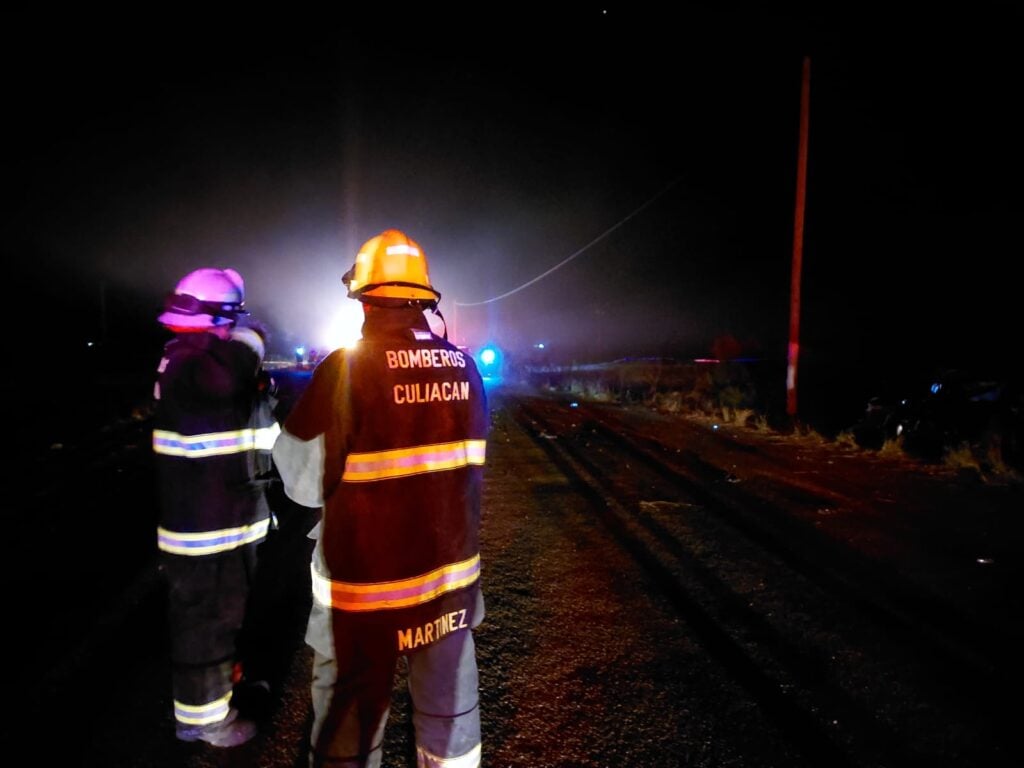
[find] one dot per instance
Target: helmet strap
(444, 322)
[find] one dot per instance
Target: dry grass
(961, 457)
(723, 395)
(892, 449)
(984, 460)
(846, 439)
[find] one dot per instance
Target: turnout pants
(206, 607)
(353, 678)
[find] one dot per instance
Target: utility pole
(798, 243)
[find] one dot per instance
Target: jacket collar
(382, 322)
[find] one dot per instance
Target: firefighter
(389, 437)
(212, 438)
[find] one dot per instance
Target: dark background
(505, 142)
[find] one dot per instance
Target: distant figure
(212, 438)
(389, 437)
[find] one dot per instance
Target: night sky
(506, 141)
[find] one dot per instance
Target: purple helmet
(205, 298)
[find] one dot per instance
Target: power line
(566, 260)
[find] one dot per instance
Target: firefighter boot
(229, 732)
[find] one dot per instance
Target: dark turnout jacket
(212, 439)
(397, 428)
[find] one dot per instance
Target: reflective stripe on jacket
(215, 443)
(211, 542)
(395, 594)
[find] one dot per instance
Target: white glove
(301, 466)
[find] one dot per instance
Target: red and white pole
(798, 243)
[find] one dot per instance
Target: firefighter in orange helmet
(395, 433)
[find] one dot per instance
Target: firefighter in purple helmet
(212, 441)
(389, 437)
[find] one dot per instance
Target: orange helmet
(390, 266)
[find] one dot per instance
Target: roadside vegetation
(732, 393)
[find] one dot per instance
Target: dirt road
(628, 621)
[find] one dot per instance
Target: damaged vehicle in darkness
(958, 410)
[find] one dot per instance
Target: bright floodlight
(344, 327)
(487, 356)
